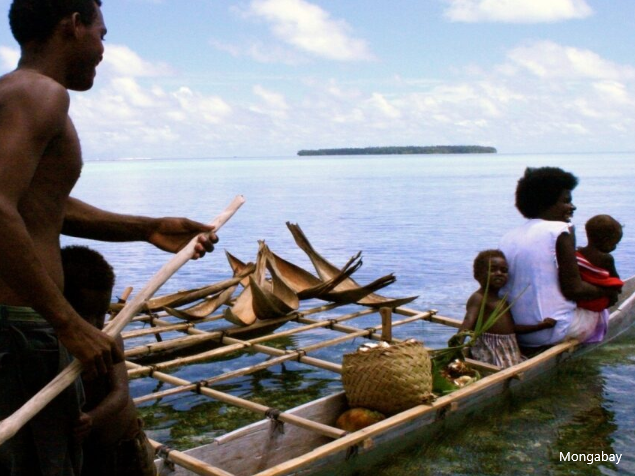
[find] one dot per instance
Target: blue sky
(207, 78)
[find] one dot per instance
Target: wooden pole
(182, 298)
(195, 334)
(189, 462)
(386, 324)
(126, 294)
(254, 368)
(237, 344)
(434, 317)
(209, 381)
(12, 424)
(122, 300)
(155, 330)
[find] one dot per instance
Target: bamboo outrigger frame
(227, 344)
(313, 423)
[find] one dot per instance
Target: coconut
(358, 418)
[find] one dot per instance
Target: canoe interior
(267, 448)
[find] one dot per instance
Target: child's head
(603, 232)
(494, 262)
(88, 283)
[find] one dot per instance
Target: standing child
(113, 441)
(498, 346)
(597, 266)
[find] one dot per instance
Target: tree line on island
(432, 149)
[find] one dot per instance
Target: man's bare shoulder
(25, 88)
(32, 105)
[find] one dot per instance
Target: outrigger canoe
(304, 440)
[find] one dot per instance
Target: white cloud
(613, 91)
(9, 58)
(547, 59)
(309, 28)
(551, 97)
(354, 116)
(462, 100)
(271, 99)
(210, 108)
(575, 128)
(119, 60)
(516, 11)
(134, 94)
(273, 104)
(260, 52)
(379, 101)
(126, 119)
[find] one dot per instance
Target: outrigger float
(277, 300)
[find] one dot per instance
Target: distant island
(432, 149)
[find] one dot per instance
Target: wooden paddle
(20, 417)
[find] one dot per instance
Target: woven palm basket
(388, 380)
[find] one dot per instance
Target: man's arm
(30, 119)
(571, 284)
(168, 234)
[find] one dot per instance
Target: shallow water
(583, 407)
(423, 218)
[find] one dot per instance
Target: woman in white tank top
(544, 280)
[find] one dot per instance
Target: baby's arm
(546, 323)
(610, 265)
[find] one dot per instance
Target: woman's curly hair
(540, 189)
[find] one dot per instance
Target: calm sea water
(423, 218)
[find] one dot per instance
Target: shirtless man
(40, 161)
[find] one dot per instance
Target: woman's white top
(533, 286)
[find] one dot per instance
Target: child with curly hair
(498, 345)
(109, 427)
